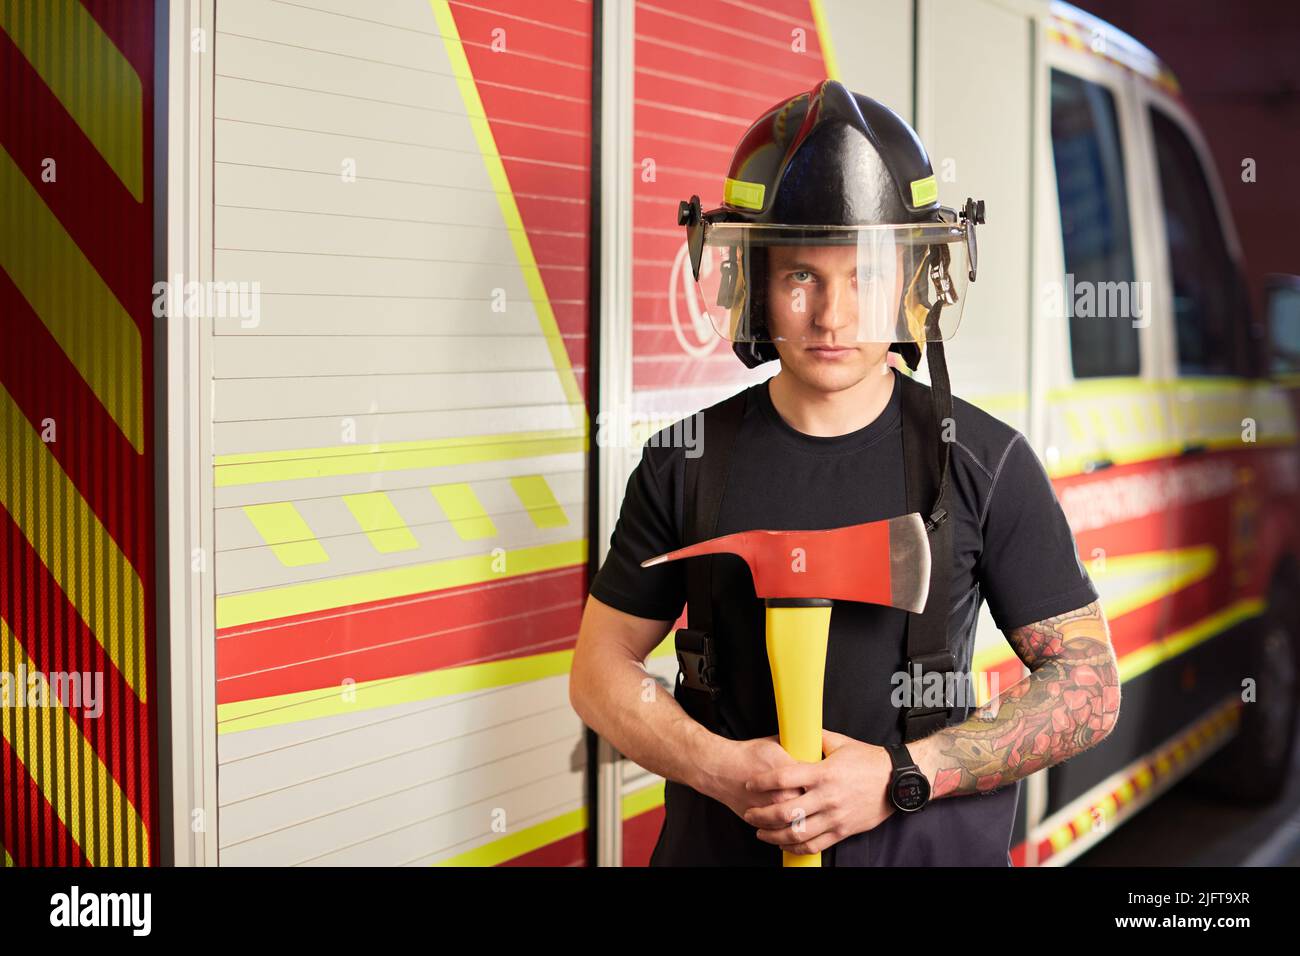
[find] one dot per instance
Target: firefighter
(829, 252)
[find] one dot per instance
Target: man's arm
(1067, 704)
(615, 696)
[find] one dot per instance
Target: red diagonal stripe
(56, 639)
(29, 826)
(87, 197)
(89, 446)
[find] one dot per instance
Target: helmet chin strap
(941, 399)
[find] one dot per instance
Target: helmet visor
(822, 285)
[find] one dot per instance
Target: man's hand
(844, 794)
(740, 761)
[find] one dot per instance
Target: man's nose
(839, 306)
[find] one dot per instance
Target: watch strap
(901, 757)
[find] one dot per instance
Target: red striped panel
(116, 235)
(93, 205)
(705, 70)
(542, 79)
(56, 639)
(30, 829)
(89, 447)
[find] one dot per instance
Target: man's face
(813, 301)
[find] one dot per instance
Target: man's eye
(803, 275)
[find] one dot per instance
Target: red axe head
(879, 562)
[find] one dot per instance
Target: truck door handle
(1098, 464)
(1194, 448)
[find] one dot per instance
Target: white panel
(254, 357)
(975, 94)
(401, 785)
(362, 395)
(326, 193)
(270, 435)
(872, 40)
(393, 307)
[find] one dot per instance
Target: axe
(800, 574)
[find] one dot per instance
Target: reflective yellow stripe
(525, 841)
(736, 192)
(538, 498)
(47, 740)
(257, 467)
(246, 608)
(924, 191)
(829, 61)
(1157, 652)
(75, 548)
(466, 512)
(640, 801)
(283, 528)
(389, 691)
(1138, 778)
(6, 860)
(496, 171)
(381, 522)
(80, 311)
(88, 74)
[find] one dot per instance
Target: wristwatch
(909, 791)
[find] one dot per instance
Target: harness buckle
(697, 661)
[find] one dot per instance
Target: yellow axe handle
(796, 650)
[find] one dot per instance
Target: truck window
(1095, 235)
(1284, 329)
(1209, 307)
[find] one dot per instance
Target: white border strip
(192, 635)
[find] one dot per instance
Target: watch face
(911, 791)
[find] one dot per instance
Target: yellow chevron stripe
(468, 517)
(89, 75)
(80, 311)
(6, 859)
(283, 528)
(540, 501)
(525, 841)
(496, 171)
(380, 520)
(254, 468)
(75, 548)
(246, 608)
(47, 739)
(389, 691)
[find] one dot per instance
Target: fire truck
(313, 312)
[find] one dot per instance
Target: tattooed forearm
(1068, 703)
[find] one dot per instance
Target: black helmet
(826, 158)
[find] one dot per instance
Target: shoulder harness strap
(925, 463)
(705, 481)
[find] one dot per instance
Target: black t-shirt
(1012, 547)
